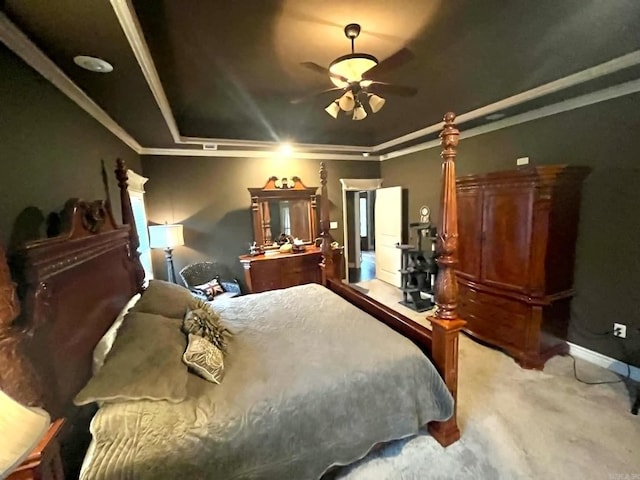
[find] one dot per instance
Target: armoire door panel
(506, 242)
(529, 224)
(469, 233)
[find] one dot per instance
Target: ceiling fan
(353, 74)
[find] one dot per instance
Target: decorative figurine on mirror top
(255, 250)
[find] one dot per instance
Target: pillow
(106, 342)
(204, 322)
(164, 298)
(204, 358)
(144, 363)
(210, 289)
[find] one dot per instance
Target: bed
(313, 380)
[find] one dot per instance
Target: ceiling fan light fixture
(333, 109)
(347, 102)
(359, 113)
(376, 102)
(352, 67)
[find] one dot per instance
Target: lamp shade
(333, 109)
(21, 428)
(359, 113)
(347, 102)
(165, 236)
(376, 102)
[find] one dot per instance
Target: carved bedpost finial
(324, 205)
(17, 377)
(446, 287)
(9, 304)
(324, 210)
(105, 184)
(128, 219)
(329, 269)
(445, 323)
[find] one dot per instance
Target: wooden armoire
(517, 236)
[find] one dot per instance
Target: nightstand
(44, 462)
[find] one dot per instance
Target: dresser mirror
(286, 207)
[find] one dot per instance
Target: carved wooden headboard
(72, 287)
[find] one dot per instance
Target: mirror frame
(282, 189)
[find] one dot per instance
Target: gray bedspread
(310, 382)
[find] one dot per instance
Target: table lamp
(166, 237)
(21, 428)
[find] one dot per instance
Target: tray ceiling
(229, 69)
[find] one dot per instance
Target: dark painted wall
(50, 149)
(604, 137)
(210, 197)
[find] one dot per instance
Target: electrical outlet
(522, 161)
(620, 330)
(333, 225)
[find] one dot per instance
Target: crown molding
(20, 44)
(359, 184)
(319, 147)
(585, 100)
(133, 31)
(184, 152)
(606, 68)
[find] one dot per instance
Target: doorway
(358, 200)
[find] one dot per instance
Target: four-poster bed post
(445, 323)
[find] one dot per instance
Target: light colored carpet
(517, 424)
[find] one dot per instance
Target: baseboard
(601, 360)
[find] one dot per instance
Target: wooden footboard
(440, 343)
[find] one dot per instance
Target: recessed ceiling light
(365, 154)
(495, 116)
(285, 150)
(93, 64)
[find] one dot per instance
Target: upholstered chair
(204, 272)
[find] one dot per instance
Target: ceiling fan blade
(399, 58)
(391, 89)
(313, 95)
(324, 71)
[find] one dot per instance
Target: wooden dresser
(281, 270)
(517, 235)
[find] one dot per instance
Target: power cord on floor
(575, 374)
(636, 404)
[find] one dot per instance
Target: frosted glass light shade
(376, 102)
(165, 236)
(333, 109)
(347, 102)
(352, 67)
(21, 428)
(359, 113)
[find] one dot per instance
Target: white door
(388, 231)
